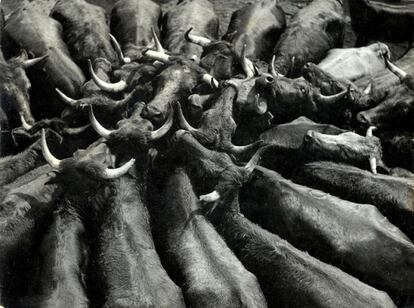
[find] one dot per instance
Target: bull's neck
(225, 102)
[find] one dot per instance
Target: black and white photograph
(206, 153)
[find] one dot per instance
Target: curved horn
(369, 131)
(118, 49)
(109, 174)
(157, 42)
(395, 69)
(106, 86)
(159, 133)
(247, 65)
(255, 159)
(76, 130)
(155, 55)
(182, 121)
(368, 89)
(34, 61)
(333, 98)
(239, 149)
(373, 165)
(102, 131)
(211, 197)
(273, 71)
(25, 125)
(207, 78)
(51, 160)
(199, 40)
(70, 101)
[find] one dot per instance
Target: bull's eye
(303, 90)
(269, 79)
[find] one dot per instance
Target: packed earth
(199, 153)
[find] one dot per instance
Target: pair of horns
(253, 162)
(235, 149)
(107, 174)
(154, 135)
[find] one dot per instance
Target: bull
(124, 242)
(208, 271)
(395, 109)
(288, 99)
(15, 88)
(85, 31)
(25, 206)
(41, 35)
(265, 254)
(376, 20)
(398, 148)
(245, 39)
(196, 14)
(313, 31)
(346, 147)
(132, 23)
(330, 229)
(217, 124)
(391, 195)
(355, 63)
(359, 99)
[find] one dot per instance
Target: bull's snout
(152, 113)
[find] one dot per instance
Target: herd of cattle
(149, 163)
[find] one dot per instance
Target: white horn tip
(211, 197)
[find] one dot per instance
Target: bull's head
(132, 135)
(221, 58)
(346, 147)
(291, 98)
(15, 86)
(330, 85)
(78, 168)
(397, 106)
(174, 83)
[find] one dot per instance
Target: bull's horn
(207, 78)
(333, 98)
(156, 55)
(159, 133)
(253, 162)
(211, 197)
(247, 65)
(106, 86)
(199, 40)
(109, 174)
(368, 89)
(182, 121)
(51, 160)
(239, 149)
(369, 131)
(25, 125)
(72, 102)
(273, 70)
(118, 49)
(102, 131)
(157, 42)
(395, 69)
(34, 61)
(373, 165)
(76, 130)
